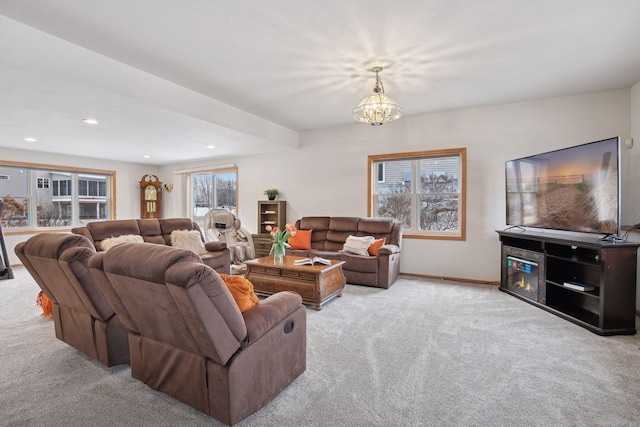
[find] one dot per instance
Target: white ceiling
(169, 77)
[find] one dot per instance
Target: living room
(324, 171)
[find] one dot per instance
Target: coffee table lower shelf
(316, 284)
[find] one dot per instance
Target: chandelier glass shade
(377, 108)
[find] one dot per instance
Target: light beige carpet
(422, 353)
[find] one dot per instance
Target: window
(43, 196)
(43, 182)
(212, 189)
(96, 187)
(380, 169)
(424, 190)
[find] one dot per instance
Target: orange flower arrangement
(279, 239)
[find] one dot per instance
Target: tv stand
(586, 280)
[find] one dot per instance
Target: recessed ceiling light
(146, 156)
(29, 139)
(90, 121)
(211, 147)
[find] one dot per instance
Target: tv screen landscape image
(572, 189)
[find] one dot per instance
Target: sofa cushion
(375, 246)
(319, 225)
(359, 263)
(358, 245)
(101, 230)
(375, 226)
(188, 239)
(169, 225)
(298, 252)
(150, 230)
(242, 291)
(339, 229)
(301, 240)
(324, 254)
(109, 243)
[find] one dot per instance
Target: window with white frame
(45, 196)
(424, 190)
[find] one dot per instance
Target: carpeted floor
(422, 353)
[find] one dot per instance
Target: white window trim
(72, 171)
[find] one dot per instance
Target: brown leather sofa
(154, 230)
(330, 234)
(82, 316)
(188, 338)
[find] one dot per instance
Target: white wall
(634, 188)
(634, 193)
(128, 176)
(327, 175)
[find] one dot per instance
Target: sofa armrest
(215, 246)
(84, 231)
(268, 313)
(388, 250)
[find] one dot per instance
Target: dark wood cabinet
(545, 269)
(273, 213)
(270, 213)
(261, 244)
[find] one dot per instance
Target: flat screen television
(572, 189)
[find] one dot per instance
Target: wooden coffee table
(316, 284)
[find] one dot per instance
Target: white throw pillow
(358, 245)
(110, 242)
(186, 239)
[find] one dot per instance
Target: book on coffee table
(310, 261)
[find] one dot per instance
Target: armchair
(220, 224)
(188, 338)
(82, 315)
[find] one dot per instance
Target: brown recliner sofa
(154, 230)
(330, 234)
(188, 338)
(82, 316)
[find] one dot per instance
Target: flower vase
(278, 253)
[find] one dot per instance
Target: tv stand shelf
(546, 261)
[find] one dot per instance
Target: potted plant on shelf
(271, 193)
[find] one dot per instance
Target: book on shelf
(312, 261)
(578, 286)
(269, 212)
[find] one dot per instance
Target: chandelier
(377, 108)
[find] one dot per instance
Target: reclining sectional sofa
(172, 318)
(330, 234)
(154, 230)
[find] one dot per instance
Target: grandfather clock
(150, 197)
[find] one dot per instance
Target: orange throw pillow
(242, 291)
(302, 240)
(373, 249)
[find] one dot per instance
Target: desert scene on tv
(574, 189)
